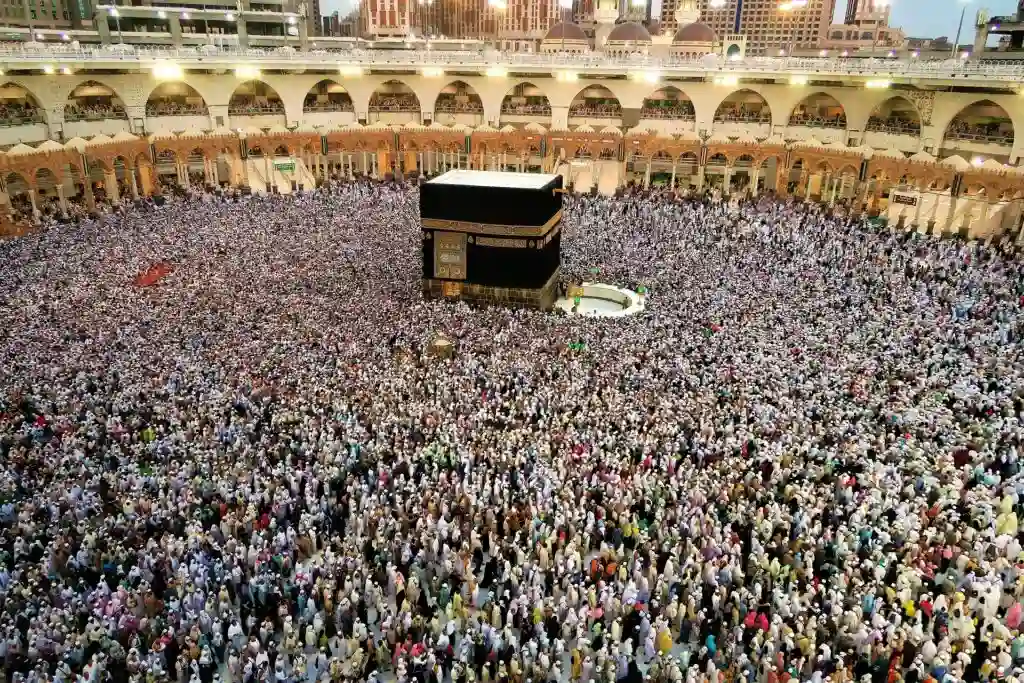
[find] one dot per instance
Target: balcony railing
(875, 68)
(526, 109)
(453, 107)
(838, 123)
(20, 118)
(176, 109)
(329, 107)
(982, 137)
(597, 111)
(252, 109)
(93, 113)
(893, 126)
(675, 113)
(395, 105)
(743, 117)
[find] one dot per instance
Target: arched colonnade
(855, 177)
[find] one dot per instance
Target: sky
(917, 18)
(933, 18)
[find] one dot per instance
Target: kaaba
(492, 237)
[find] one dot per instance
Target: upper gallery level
(971, 110)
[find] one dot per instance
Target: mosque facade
(688, 121)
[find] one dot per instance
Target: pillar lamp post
(959, 28)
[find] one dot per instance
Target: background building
(866, 29)
(54, 14)
(768, 25)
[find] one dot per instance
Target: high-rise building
(868, 10)
(851, 10)
(528, 19)
(768, 25)
(52, 14)
(387, 18)
(513, 20)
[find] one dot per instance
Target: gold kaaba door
(450, 255)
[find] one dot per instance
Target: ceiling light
(168, 71)
(247, 72)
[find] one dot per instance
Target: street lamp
(117, 18)
(959, 27)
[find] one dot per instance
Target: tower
(686, 13)
(606, 13)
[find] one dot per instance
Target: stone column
(110, 183)
(950, 213)
(134, 182)
(90, 198)
(63, 200)
(673, 174)
(807, 185)
(208, 171)
(917, 207)
(754, 177)
(700, 178)
(836, 182)
(647, 174)
(32, 198)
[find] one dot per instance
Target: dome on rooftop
(695, 33)
(629, 32)
(565, 31)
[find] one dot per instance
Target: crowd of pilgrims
(800, 463)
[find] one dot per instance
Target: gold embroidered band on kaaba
(493, 228)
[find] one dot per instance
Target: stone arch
(210, 88)
(1005, 130)
(255, 97)
(327, 95)
(453, 90)
(745, 105)
(17, 183)
(176, 98)
(595, 101)
(819, 109)
(908, 122)
(526, 99)
(745, 160)
(394, 95)
(668, 102)
(15, 97)
(93, 96)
